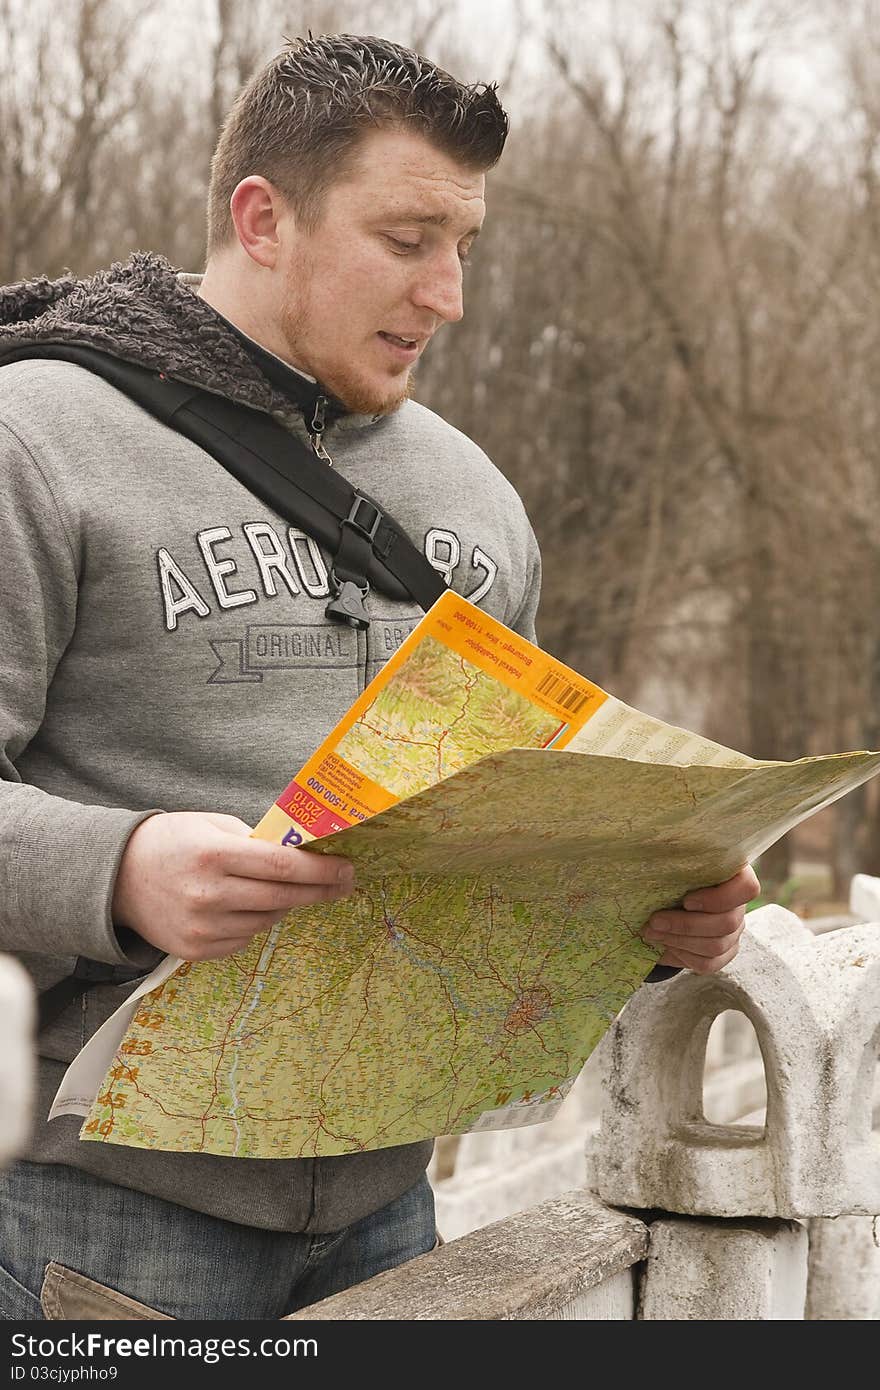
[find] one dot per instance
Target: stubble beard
(358, 397)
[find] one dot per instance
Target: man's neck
(242, 310)
(302, 388)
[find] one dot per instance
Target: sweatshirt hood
(142, 311)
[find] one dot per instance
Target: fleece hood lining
(145, 312)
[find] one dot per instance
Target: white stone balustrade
(844, 1280)
(739, 1271)
(17, 1057)
(814, 1003)
(569, 1258)
(864, 897)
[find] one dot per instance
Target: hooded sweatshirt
(164, 646)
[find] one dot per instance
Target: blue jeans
(176, 1261)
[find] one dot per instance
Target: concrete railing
(571, 1257)
(17, 1057)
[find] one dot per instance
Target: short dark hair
(300, 119)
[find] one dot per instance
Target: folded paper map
(512, 828)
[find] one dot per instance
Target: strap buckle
(358, 533)
(347, 604)
(368, 523)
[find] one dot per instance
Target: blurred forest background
(672, 335)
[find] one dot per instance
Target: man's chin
(359, 398)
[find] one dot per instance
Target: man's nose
(440, 290)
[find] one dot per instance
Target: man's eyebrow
(433, 219)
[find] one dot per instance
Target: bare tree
(688, 201)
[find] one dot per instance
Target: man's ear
(257, 207)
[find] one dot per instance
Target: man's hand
(200, 887)
(703, 935)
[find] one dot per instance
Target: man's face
(370, 285)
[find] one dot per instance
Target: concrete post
(17, 1057)
(702, 1270)
(844, 1283)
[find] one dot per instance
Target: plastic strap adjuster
(367, 525)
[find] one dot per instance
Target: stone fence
(719, 1157)
(16, 1057)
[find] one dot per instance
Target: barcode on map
(563, 692)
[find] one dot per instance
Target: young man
(141, 734)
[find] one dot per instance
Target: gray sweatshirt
(163, 645)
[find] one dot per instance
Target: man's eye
(402, 247)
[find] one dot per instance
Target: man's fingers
(224, 934)
(260, 895)
(704, 935)
(722, 897)
(200, 886)
(251, 858)
(699, 965)
(675, 922)
(703, 946)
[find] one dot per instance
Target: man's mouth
(407, 344)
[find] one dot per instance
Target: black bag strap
(52, 1001)
(369, 547)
